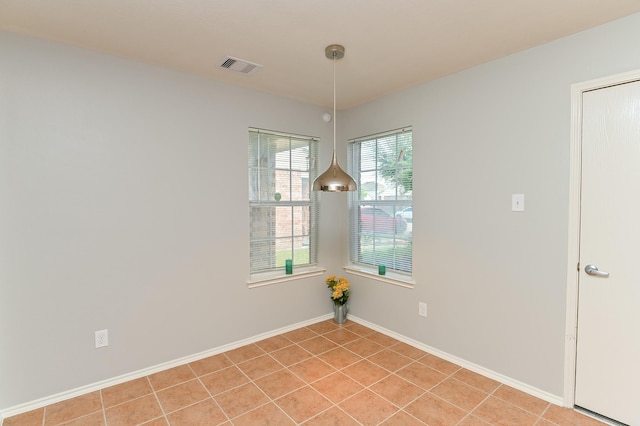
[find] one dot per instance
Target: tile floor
(322, 374)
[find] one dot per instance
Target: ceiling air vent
(239, 65)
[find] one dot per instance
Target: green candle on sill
(288, 266)
(382, 269)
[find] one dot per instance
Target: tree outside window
(381, 211)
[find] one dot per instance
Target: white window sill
(389, 278)
(268, 278)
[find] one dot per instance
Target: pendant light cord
(334, 105)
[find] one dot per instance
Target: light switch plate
(422, 309)
(517, 202)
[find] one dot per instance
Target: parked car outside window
(376, 220)
(407, 214)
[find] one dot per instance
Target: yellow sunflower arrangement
(339, 289)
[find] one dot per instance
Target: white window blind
(283, 209)
(381, 211)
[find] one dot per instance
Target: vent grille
(238, 65)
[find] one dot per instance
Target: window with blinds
(283, 209)
(381, 211)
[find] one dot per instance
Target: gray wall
(123, 206)
(494, 280)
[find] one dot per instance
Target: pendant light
(334, 179)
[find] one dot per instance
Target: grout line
(104, 409)
(155, 394)
(518, 406)
(310, 384)
(367, 336)
(545, 412)
(208, 391)
(269, 399)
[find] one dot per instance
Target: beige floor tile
(72, 408)
(224, 380)
(300, 334)
(520, 399)
(382, 339)
(439, 364)
(205, 412)
(124, 392)
(459, 394)
(397, 390)
(95, 419)
(390, 360)
(435, 411)
(134, 412)
(317, 345)
(160, 421)
(290, 355)
(337, 387)
(210, 364)
(267, 415)
(499, 412)
(402, 419)
(476, 380)
(260, 366)
(543, 422)
(365, 372)
(279, 383)
(341, 336)
(244, 353)
(408, 351)
(274, 343)
(360, 330)
(421, 375)
(182, 395)
(312, 369)
(566, 416)
(363, 347)
(324, 374)
(30, 418)
(323, 326)
(171, 377)
(368, 408)
(239, 400)
(332, 417)
(339, 358)
(303, 404)
(473, 421)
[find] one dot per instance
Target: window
(283, 209)
(381, 211)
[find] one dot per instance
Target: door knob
(593, 270)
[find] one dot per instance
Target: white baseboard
(42, 402)
(538, 393)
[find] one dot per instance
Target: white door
(608, 336)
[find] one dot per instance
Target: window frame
(357, 265)
(266, 177)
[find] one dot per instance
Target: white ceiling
(390, 44)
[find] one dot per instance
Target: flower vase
(340, 313)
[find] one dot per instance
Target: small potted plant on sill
(339, 295)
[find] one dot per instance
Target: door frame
(575, 178)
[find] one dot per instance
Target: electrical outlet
(102, 338)
(422, 309)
